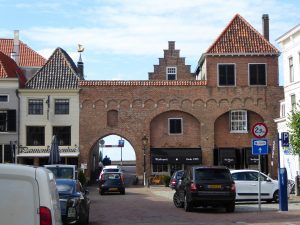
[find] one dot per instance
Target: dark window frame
(35, 106)
(257, 73)
(62, 106)
(175, 126)
(226, 74)
(4, 98)
(63, 133)
(35, 136)
(8, 120)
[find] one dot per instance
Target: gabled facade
(191, 118)
(11, 79)
(290, 44)
(49, 106)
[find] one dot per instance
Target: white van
(28, 196)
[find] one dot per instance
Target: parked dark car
(206, 186)
(111, 182)
(74, 203)
(176, 176)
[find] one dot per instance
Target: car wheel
(176, 201)
(230, 207)
(276, 196)
(188, 207)
(101, 192)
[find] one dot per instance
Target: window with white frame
(35, 106)
(293, 102)
(3, 98)
(291, 69)
(238, 121)
(62, 106)
(171, 73)
(226, 74)
(8, 120)
(175, 125)
(282, 109)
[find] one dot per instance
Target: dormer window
(171, 73)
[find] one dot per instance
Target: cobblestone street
(143, 206)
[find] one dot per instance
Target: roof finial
(80, 48)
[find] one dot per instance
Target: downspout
(18, 126)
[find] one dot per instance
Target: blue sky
(123, 39)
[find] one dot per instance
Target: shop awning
(176, 155)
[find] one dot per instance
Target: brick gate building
(191, 118)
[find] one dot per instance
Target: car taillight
(193, 187)
(232, 188)
(173, 181)
(45, 216)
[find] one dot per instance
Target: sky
(123, 39)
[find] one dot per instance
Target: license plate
(113, 189)
(71, 212)
(215, 186)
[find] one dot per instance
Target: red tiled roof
(239, 37)
(142, 83)
(28, 57)
(9, 69)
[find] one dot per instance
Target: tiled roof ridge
(249, 25)
(69, 60)
(3, 65)
(142, 83)
(25, 45)
(63, 53)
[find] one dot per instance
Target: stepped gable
(9, 69)
(239, 37)
(59, 72)
(28, 57)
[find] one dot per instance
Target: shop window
(3, 98)
(63, 134)
(7, 120)
(238, 121)
(175, 125)
(226, 74)
(257, 74)
(159, 168)
(35, 106)
(171, 73)
(62, 106)
(35, 136)
(6, 154)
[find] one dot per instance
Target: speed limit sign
(259, 130)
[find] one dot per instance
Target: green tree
(294, 129)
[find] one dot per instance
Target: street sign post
(259, 147)
(285, 139)
(259, 130)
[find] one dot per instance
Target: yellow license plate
(215, 186)
(113, 189)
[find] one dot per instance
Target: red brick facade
(144, 107)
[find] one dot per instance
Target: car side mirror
(268, 180)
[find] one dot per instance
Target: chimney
(265, 26)
(171, 45)
(16, 50)
(80, 68)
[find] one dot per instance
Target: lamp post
(145, 142)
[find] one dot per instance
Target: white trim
(246, 120)
(175, 118)
(7, 98)
(167, 73)
(258, 85)
(218, 82)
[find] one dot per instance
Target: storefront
(165, 161)
(235, 158)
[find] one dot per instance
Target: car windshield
(211, 174)
(64, 188)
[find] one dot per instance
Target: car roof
(243, 170)
(210, 167)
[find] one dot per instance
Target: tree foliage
(294, 129)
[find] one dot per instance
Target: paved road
(145, 206)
